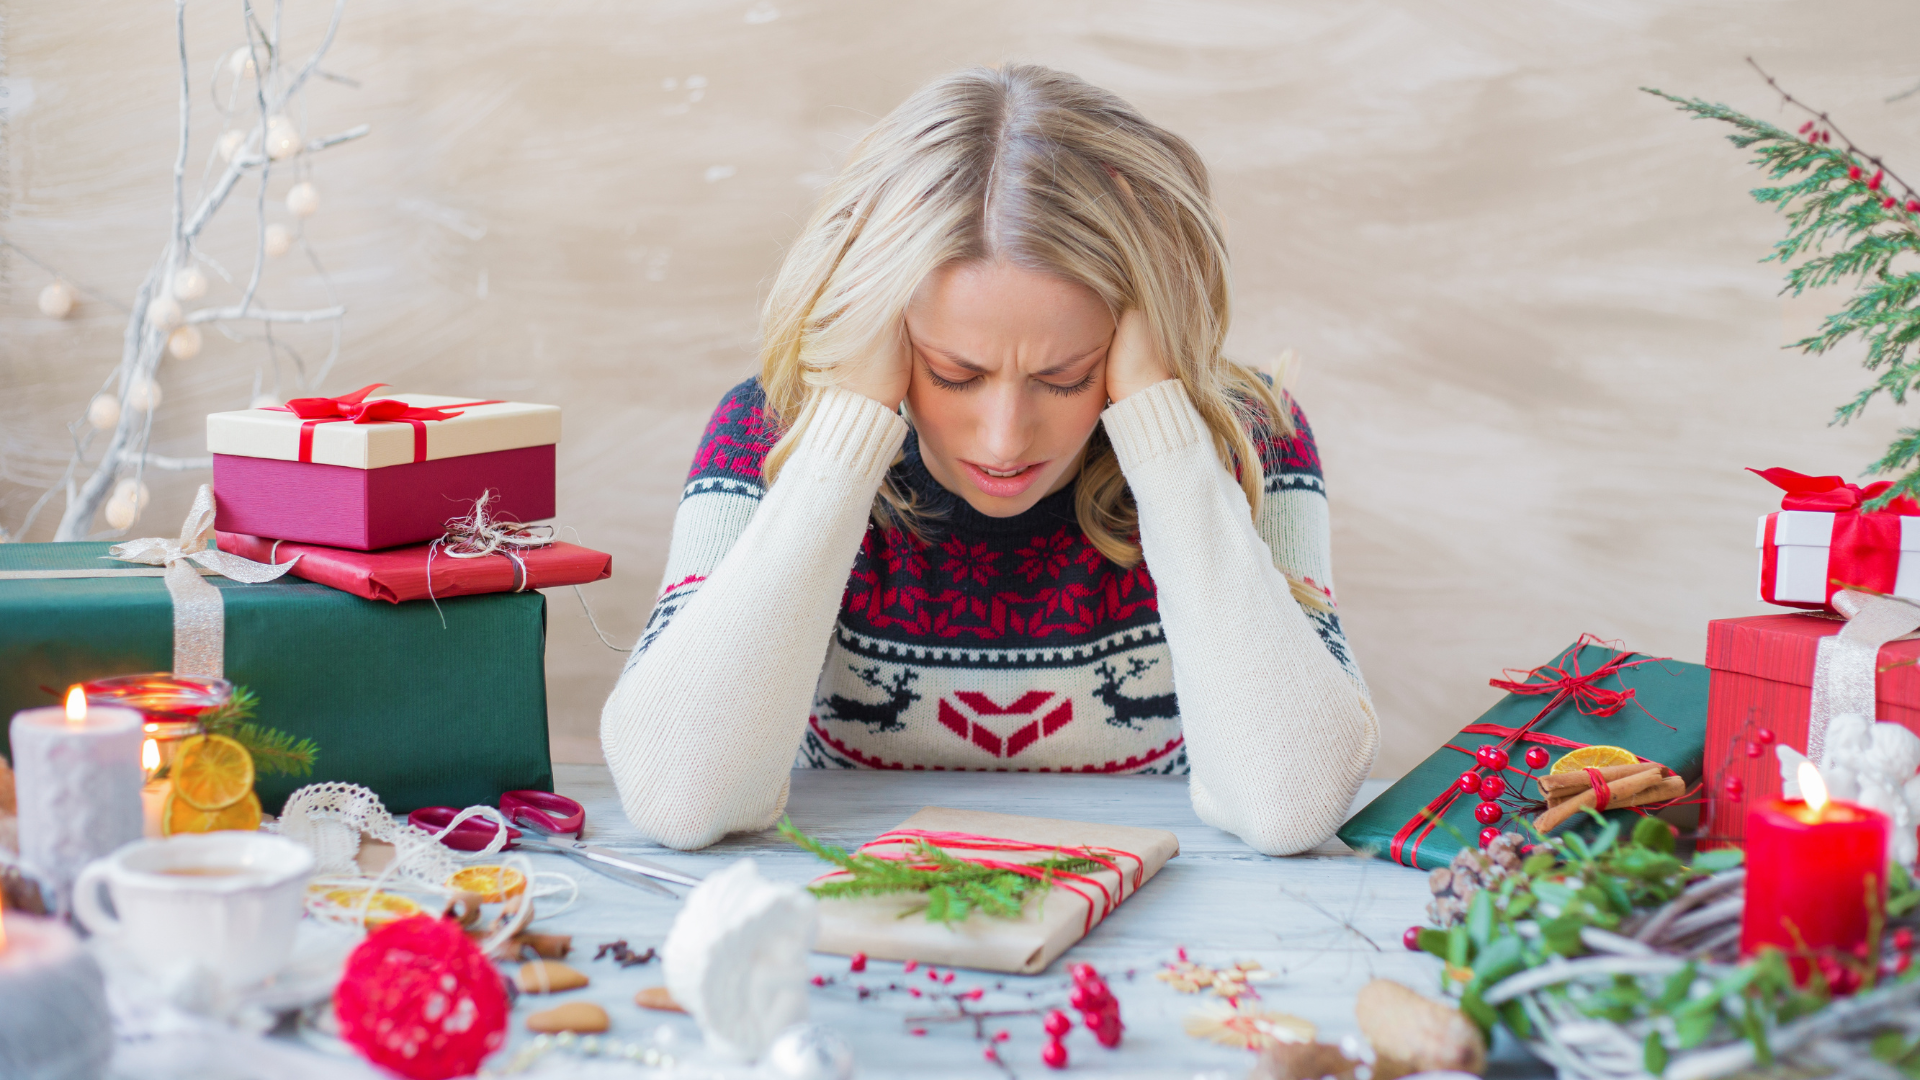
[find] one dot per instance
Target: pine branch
(1842, 226)
(954, 888)
(275, 753)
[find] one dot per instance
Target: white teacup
(228, 902)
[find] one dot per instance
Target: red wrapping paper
(401, 573)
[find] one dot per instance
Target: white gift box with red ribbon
(1806, 556)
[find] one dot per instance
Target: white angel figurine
(1873, 764)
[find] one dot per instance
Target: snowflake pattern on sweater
(992, 643)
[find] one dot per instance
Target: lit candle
(153, 796)
(172, 706)
(53, 1008)
(1815, 867)
(77, 781)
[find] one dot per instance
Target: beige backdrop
(1538, 348)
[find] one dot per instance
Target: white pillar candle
(53, 1007)
(77, 780)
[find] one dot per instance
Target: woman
(991, 384)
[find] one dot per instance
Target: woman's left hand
(1133, 360)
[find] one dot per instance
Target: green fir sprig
(275, 753)
(953, 888)
(1849, 217)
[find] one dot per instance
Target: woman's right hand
(884, 373)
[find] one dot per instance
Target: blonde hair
(1036, 168)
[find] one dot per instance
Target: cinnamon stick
(1572, 783)
(1619, 791)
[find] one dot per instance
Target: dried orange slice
(385, 907)
(1591, 757)
(211, 772)
(177, 815)
(493, 884)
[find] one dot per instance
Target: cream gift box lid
(891, 928)
(479, 429)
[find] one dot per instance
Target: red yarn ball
(1492, 788)
(1491, 757)
(1469, 782)
(1488, 813)
(419, 999)
(1489, 834)
(1537, 757)
(1054, 1054)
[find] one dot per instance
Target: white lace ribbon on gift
(1846, 666)
(199, 613)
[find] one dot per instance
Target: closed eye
(947, 384)
(1077, 388)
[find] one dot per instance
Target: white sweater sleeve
(1278, 736)
(701, 730)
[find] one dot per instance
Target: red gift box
(1763, 680)
(402, 573)
(368, 509)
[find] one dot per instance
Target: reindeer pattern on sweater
(987, 643)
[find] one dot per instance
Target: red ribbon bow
(1566, 684)
(1832, 494)
(356, 408)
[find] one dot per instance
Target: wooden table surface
(1324, 923)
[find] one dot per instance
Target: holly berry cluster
(1491, 787)
(1099, 1011)
(1733, 787)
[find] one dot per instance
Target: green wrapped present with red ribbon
(1484, 780)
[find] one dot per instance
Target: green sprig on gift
(275, 753)
(1849, 217)
(953, 888)
(1567, 885)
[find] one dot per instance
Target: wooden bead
(548, 977)
(582, 1016)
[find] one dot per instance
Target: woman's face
(1009, 377)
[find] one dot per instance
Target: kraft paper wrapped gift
(422, 715)
(889, 927)
(407, 573)
(1414, 824)
(366, 472)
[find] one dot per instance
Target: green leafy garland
(1845, 221)
(954, 888)
(1569, 884)
(275, 753)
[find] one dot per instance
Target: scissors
(552, 816)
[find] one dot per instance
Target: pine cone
(1472, 869)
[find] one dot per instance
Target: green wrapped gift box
(1665, 721)
(423, 715)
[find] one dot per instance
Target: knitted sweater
(995, 643)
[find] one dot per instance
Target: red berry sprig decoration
(1054, 1055)
(1537, 757)
(1098, 1008)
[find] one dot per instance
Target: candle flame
(76, 705)
(1813, 787)
(150, 755)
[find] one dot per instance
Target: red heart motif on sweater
(1005, 730)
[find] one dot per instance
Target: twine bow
(478, 535)
(199, 613)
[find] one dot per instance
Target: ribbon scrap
(905, 841)
(355, 408)
(1562, 684)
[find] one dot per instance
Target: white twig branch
(163, 463)
(348, 135)
(313, 315)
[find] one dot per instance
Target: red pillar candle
(1813, 869)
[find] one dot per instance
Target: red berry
(917, 1031)
(1002, 1035)
(1853, 173)
(859, 962)
(1754, 749)
(910, 965)
(1489, 834)
(932, 975)
(914, 990)
(1806, 127)
(1411, 939)
(1903, 939)
(1491, 757)
(990, 1054)
(1536, 757)
(1107, 1033)
(1888, 202)
(974, 994)
(1874, 184)
(1054, 1055)
(1901, 965)
(819, 980)
(1081, 1000)
(1469, 782)
(1733, 788)
(1492, 788)
(1764, 736)
(1488, 813)
(1058, 1023)
(1182, 950)
(1913, 206)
